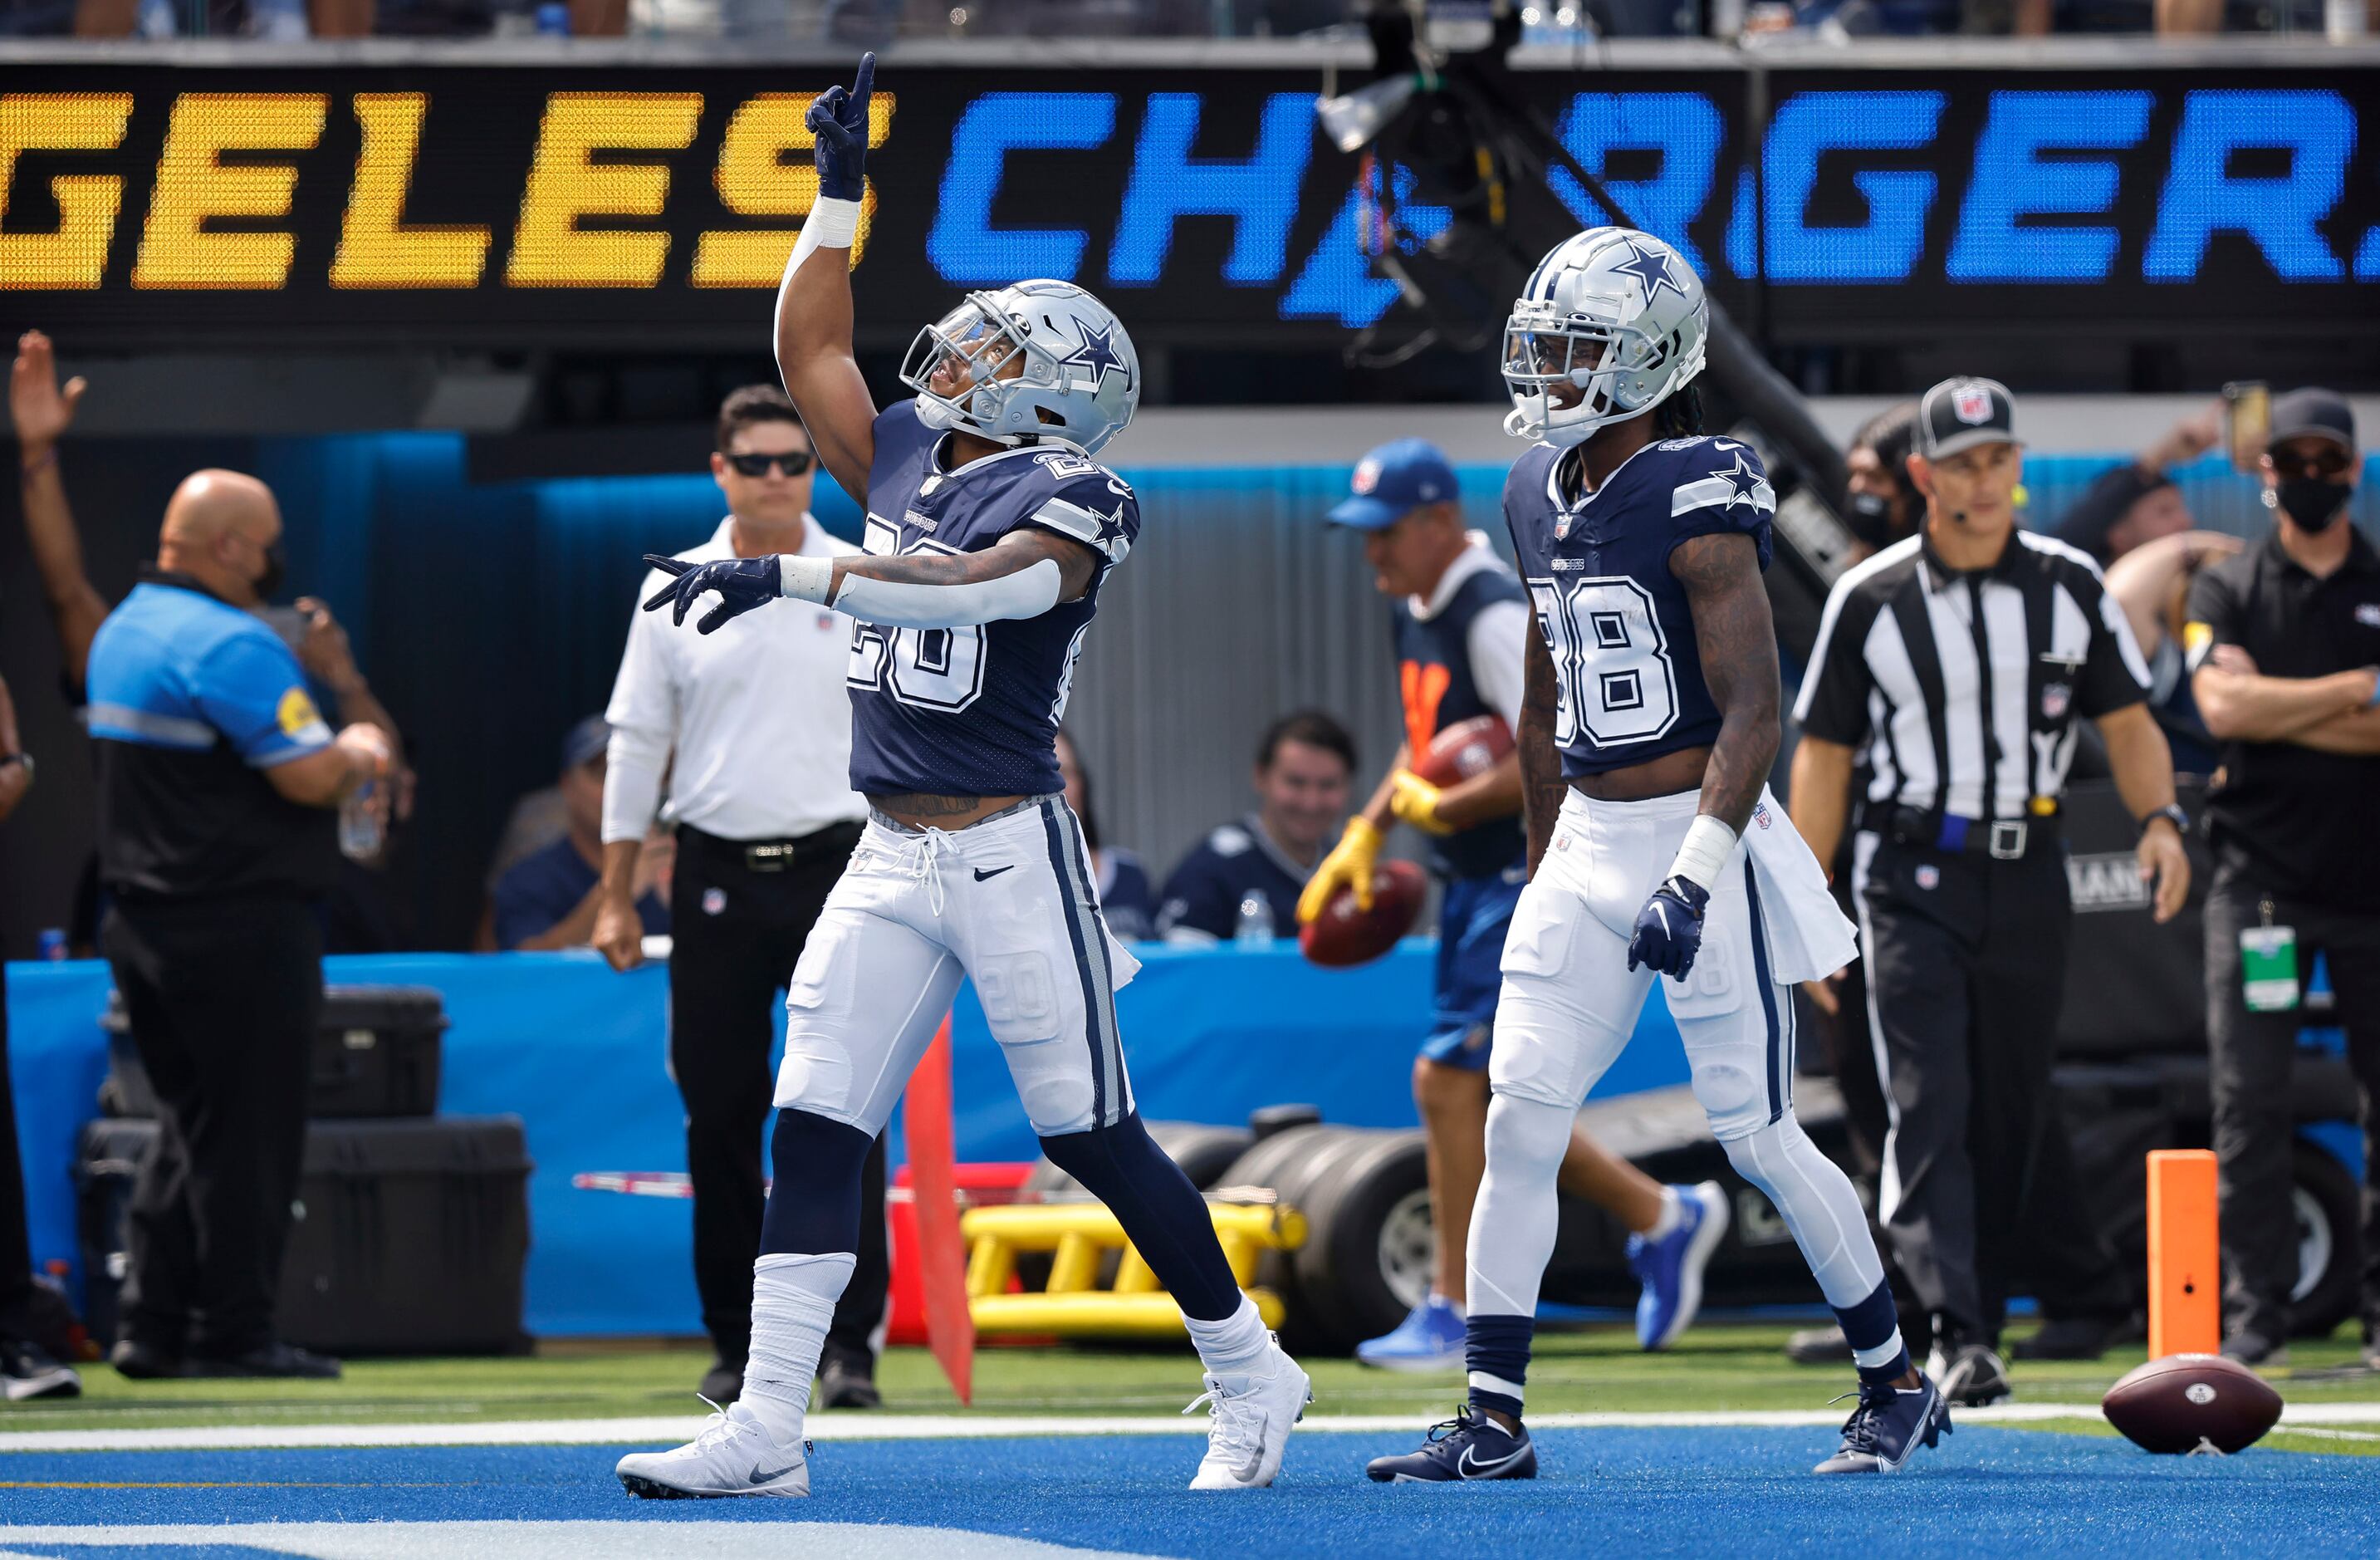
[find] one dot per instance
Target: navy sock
(1160, 1210)
(1496, 1351)
(814, 1202)
(1872, 1326)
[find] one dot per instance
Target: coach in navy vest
(1458, 620)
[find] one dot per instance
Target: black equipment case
(376, 1054)
(412, 1234)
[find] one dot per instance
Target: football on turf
(1464, 749)
(1343, 935)
(2176, 1403)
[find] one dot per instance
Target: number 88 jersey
(974, 712)
(1614, 617)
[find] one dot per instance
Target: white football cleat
(733, 1456)
(1251, 1412)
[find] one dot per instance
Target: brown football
(2173, 1404)
(1464, 749)
(1343, 935)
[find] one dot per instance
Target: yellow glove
(1414, 801)
(1349, 865)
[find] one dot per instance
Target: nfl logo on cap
(1368, 475)
(1972, 403)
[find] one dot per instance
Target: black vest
(1434, 677)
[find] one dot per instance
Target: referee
(760, 790)
(1957, 660)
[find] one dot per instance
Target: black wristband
(2172, 813)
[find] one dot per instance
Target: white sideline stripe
(546, 1541)
(829, 1425)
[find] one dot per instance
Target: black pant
(1967, 961)
(224, 999)
(738, 929)
(2252, 1055)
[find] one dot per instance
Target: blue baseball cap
(1394, 480)
(585, 742)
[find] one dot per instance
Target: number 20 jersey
(974, 712)
(1614, 617)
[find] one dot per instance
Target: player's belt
(775, 855)
(2009, 839)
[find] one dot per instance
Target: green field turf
(1592, 1369)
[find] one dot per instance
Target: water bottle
(53, 944)
(1255, 929)
(359, 830)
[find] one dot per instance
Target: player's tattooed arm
(1738, 641)
(1019, 550)
(1541, 777)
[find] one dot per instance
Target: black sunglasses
(2329, 463)
(794, 464)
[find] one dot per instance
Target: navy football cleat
(1466, 1447)
(1888, 1427)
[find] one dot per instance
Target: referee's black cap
(1961, 413)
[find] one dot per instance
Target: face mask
(1870, 518)
(2312, 502)
(276, 564)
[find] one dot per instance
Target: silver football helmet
(1079, 385)
(1617, 317)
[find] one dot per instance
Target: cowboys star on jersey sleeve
(1088, 504)
(1718, 486)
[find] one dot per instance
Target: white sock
(1236, 1344)
(1666, 1219)
(793, 1304)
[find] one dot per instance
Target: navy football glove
(838, 123)
(1669, 928)
(742, 584)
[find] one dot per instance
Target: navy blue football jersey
(974, 712)
(1614, 617)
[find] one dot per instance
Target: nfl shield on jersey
(975, 711)
(1615, 618)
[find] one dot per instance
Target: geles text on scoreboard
(625, 206)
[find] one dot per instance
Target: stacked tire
(1368, 1246)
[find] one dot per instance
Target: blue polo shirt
(542, 889)
(1202, 894)
(192, 700)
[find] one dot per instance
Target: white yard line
(787, 1539)
(830, 1425)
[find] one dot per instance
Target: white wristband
(805, 578)
(830, 225)
(1709, 844)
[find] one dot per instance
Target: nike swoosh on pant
(980, 873)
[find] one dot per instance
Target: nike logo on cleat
(982, 874)
(761, 1478)
(1471, 1468)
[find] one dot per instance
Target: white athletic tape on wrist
(1029, 592)
(805, 578)
(830, 225)
(1709, 844)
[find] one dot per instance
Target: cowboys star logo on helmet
(1611, 324)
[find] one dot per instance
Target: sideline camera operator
(1959, 659)
(218, 785)
(2284, 643)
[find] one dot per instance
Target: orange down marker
(2185, 1261)
(941, 1249)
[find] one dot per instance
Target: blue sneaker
(1465, 1448)
(1888, 1427)
(1672, 1268)
(1430, 1338)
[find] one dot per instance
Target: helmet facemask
(962, 365)
(1616, 370)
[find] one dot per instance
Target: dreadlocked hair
(1679, 417)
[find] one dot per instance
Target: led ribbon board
(625, 207)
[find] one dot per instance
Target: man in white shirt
(759, 791)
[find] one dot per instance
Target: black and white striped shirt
(1962, 688)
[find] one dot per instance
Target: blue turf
(1625, 1491)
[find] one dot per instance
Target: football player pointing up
(1648, 724)
(990, 531)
